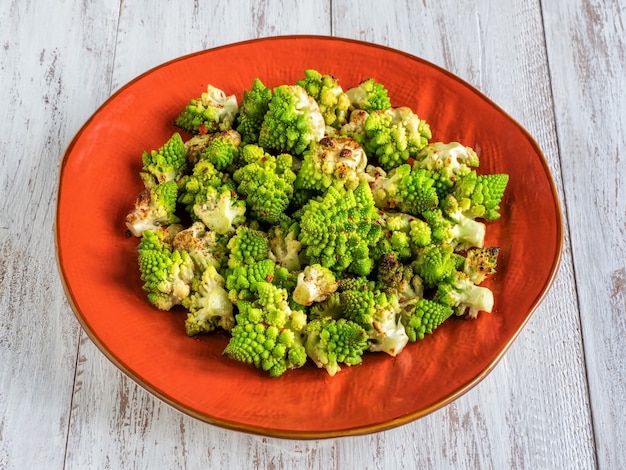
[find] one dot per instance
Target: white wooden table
(558, 397)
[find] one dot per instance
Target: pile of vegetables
(313, 223)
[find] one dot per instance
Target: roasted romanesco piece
(313, 223)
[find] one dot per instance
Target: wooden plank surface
(555, 400)
(587, 52)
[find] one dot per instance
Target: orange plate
(99, 181)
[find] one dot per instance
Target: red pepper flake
(269, 278)
(202, 129)
(411, 161)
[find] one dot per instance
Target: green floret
(394, 277)
(378, 313)
(293, 121)
(331, 342)
(330, 307)
(338, 230)
(166, 273)
(314, 284)
(220, 211)
(466, 231)
(355, 127)
(213, 111)
(254, 105)
(436, 263)
(221, 149)
(405, 188)
(242, 281)
(480, 263)
(423, 317)
(481, 195)
(329, 95)
(447, 162)
(338, 161)
(268, 333)
(465, 297)
(369, 95)
(394, 135)
(193, 188)
(208, 304)
(267, 185)
(454, 228)
(284, 245)
(154, 207)
(355, 283)
(169, 162)
(205, 247)
(417, 230)
(247, 246)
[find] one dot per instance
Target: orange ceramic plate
(100, 178)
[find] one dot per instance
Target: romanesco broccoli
(292, 122)
(213, 111)
(268, 333)
(254, 105)
(326, 91)
(369, 95)
(169, 162)
(154, 207)
(208, 304)
(331, 342)
(333, 161)
(167, 273)
(314, 284)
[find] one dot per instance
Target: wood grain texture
(47, 89)
(556, 398)
(587, 53)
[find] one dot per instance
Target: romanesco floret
(331, 342)
(193, 187)
(329, 95)
(378, 313)
(205, 247)
(253, 107)
(369, 95)
(465, 297)
(404, 188)
(154, 207)
(213, 111)
(394, 135)
(284, 245)
(221, 210)
(247, 246)
(394, 277)
(268, 333)
(292, 122)
(221, 149)
(169, 162)
(424, 316)
(338, 161)
(447, 162)
(339, 230)
(480, 195)
(208, 304)
(480, 263)
(267, 185)
(436, 263)
(166, 273)
(314, 284)
(466, 232)
(242, 280)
